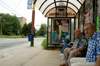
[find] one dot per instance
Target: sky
(19, 8)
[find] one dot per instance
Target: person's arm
(59, 32)
(70, 49)
(55, 36)
(79, 49)
(98, 61)
(71, 43)
(62, 44)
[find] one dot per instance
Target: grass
(44, 45)
(16, 36)
(12, 36)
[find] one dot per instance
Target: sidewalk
(24, 55)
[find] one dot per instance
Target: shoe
(61, 54)
(63, 64)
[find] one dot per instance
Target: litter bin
(30, 37)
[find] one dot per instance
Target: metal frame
(56, 5)
(69, 18)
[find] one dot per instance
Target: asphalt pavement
(24, 55)
(10, 42)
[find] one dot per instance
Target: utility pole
(32, 27)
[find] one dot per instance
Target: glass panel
(50, 7)
(72, 29)
(73, 7)
(76, 3)
(61, 3)
(49, 30)
(61, 0)
(48, 2)
(38, 3)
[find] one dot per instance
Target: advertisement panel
(88, 11)
(60, 29)
(81, 19)
(87, 17)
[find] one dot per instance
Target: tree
(26, 29)
(16, 25)
(10, 24)
(43, 30)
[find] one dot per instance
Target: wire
(18, 4)
(9, 7)
(6, 7)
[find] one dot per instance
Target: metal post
(32, 27)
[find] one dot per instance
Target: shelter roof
(45, 6)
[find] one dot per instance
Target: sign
(87, 17)
(61, 12)
(64, 25)
(29, 4)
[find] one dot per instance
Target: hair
(90, 23)
(59, 21)
(63, 36)
(78, 30)
(55, 26)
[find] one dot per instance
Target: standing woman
(58, 31)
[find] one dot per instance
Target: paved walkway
(24, 55)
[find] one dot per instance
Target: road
(9, 42)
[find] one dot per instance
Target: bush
(44, 44)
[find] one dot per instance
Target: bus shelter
(62, 11)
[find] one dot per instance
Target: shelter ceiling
(46, 6)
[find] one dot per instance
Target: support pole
(32, 27)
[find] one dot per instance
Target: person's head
(57, 23)
(77, 33)
(89, 29)
(63, 37)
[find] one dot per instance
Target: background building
(22, 21)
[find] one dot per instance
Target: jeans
(67, 41)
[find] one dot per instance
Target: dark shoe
(63, 64)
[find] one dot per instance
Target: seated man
(76, 49)
(93, 51)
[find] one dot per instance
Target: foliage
(10, 24)
(44, 44)
(26, 29)
(43, 30)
